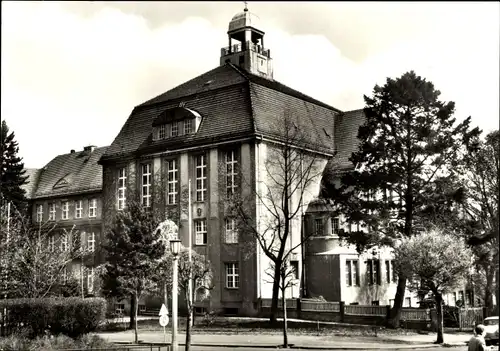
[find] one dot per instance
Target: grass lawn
(235, 325)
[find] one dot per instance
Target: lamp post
(174, 247)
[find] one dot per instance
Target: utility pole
(190, 244)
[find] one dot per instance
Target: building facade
(65, 195)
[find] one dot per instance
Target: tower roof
(244, 19)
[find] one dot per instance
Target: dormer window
(176, 122)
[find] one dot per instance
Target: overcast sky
(72, 72)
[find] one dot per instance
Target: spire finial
(246, 7)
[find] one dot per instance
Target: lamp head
(175, 246)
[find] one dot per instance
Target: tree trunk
(488, 290)
(132, 314)
(285, 322)
(276, 290)
(136, 308)
(395, 314)
(439, 314)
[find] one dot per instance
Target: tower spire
(246, 6)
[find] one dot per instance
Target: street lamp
(175, 246)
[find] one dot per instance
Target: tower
(246, 45)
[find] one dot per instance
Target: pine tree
(12, 171)
(408, 148)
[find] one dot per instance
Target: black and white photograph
(249, 175)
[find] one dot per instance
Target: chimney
(72, 151)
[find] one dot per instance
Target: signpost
(164, 320)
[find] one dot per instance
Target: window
(79, 209)
(318, 224)
(174, 129)
(201, 232)
(232, 276)
(64, 275)
(294, 266)
(90, 279)
(394, 273)
(65, 210)
(91, 242)
(407, 302)
(172, 173)
(64, 242)
(92, 208)
(39, 213)
(52, 212)
(161, 132)
(372, 271)
(201, 178)
(231, 173)
(142, 308)
(468, 297)
(461, 296)
(375, 303)
(52, 243)
(119, 308)
(146, 185)
(335, 226)
(122, 179)
(188, 126)
(231, 236)
(351, 267)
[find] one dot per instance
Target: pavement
(311, 342)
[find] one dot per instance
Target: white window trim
(322, 226)
(201, 187)
(52, 243)
(174, 126)
(231, 172)
(65, 210)
(333, 220)
(92, 208)
(232, 275)
(188, 126)
(52, 211)
(231, 233)
(201, 231)
(90, 279)
(78, 208)
(64, 242)
(146, 177)
(172, 181)
(161, 132)
(91, 242)
(122, 188)
(39, 213)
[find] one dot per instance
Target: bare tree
(36, 259)
(290, 169)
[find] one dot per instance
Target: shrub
(72, 316)
(61, 342)
(450, 316)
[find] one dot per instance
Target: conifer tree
(12, 172)
(408, 148)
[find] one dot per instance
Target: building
(66, 192)
(217, 130)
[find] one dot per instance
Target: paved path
(385, 342)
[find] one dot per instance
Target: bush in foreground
(62, 342)
(71, 316)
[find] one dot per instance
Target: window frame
(202, 179)
(174, 181)
(121, 196)
(146, 184)
(232, 275)
(91, 242)
(162, 129)
(321, 226)
(335, 222)
(188, 126)
(78, 207)
(230, 233)
(90, 279)
(39, 213)
(93, 208)
(201, 232)
(352, 269)
(64, 242)
(52, 211)
(231, 159)
(64, 210)
(172, 125)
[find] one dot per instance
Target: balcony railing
(246, 46)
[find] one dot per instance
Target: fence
(356, 314)
(470, 316)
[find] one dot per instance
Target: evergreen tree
(11, 171)
(409, 145)
(133, 249)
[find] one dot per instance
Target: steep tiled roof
(71, 173)
(346, 136)
(232, 103)
(33, 177)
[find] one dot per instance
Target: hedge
(72, 316)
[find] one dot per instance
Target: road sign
(164, 320)
(163, 315)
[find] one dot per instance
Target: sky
(73, 71)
